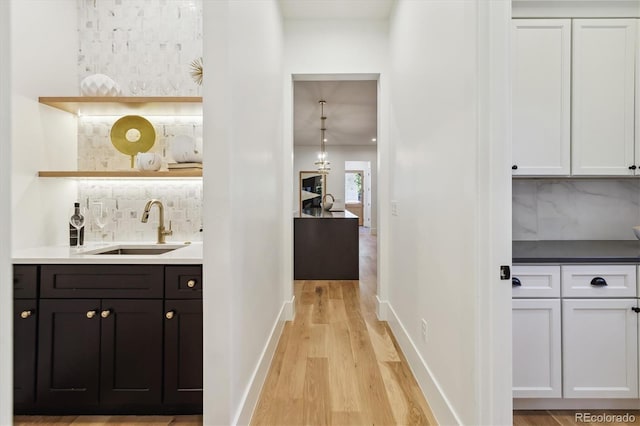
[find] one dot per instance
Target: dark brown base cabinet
(25, 320)
(183, 353)
(24, 353)
(116, 347)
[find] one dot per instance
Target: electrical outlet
(424, 330)
(394, 208)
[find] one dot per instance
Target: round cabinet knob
(514, 167)
(170, 314)
(26, 314)
(632, 167)
(91, 314)
(106, 313)
(191, 283)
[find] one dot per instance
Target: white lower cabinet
(536, 348)
(599, 348)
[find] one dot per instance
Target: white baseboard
(252, 392)
(382, 307)
(440, 406)
(575, 404)
(289, 309)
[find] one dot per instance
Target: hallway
(336, 364)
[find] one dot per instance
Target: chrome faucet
(162, 232)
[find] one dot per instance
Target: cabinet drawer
(91, 281)
(183, 282)
(536, 281)
(25, 281)
(599, 281)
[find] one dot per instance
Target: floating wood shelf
(123, 105)
(126, 174)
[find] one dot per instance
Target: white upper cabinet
(541, 95)
(603, 97)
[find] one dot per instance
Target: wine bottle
(73, 232)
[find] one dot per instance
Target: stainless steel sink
(138, 251)
(135, 249)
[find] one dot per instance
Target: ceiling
(336, 9)
(351, 112)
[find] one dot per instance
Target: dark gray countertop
(583, 251)
(323, 214)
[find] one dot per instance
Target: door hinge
(505, 272)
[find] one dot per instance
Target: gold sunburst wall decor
(196, 70)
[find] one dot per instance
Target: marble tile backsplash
(575, 209)
(146, 46)
(96, 152)
(125, 201)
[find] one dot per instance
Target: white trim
(576, 9)
(287, 184)
(575, 404)
(438, 401)
(493, 335)
(6, 288)
(382, 308)
(335, 77)
(287, 191)
(252, 392)
(289, 309)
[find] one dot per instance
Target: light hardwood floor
(336, 364)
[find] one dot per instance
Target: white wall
(43, 63)
(242, 200)
(305, 156)
(436, 241)
(6, 287)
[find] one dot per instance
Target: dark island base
(326, 249)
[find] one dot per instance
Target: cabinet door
(183, 352)
(541, 52)
(24, 353)
(603, 96)
(536, 348)
(68, 353)
(131, 369)
(600, 348)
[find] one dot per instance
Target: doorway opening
(335, 120)
(357, 189)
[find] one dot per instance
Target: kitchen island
(326, 245)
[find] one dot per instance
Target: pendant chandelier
(323, 165)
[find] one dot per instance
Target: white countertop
(187, 254)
